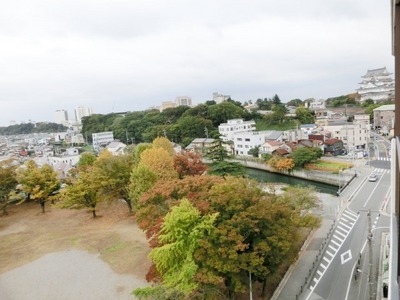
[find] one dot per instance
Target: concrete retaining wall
(341, 179)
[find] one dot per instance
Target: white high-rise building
(81, 112)
(61, 116)
(183, 101)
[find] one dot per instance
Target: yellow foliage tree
(162, 142)
(159, 161)
(284, 164)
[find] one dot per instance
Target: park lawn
(328, 166)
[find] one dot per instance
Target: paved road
(335, 249)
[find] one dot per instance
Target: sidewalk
(295, 279)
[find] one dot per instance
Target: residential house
(333, 147)
(308, 129)
(293, 135)
(280, 152)
(116, 148)
(200, 145)
(270, 146)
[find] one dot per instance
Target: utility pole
(251, 288)
(370, 275)
(206, 131)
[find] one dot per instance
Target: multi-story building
(377, 85)
(61, 116)
(362, 119)
(183, 101)
(227, 130)
(353, 135)
(81, 112)
(384, 118)
(101, 139)
(219, 98)
(245, 141)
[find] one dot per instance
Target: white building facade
(101, 139)
(61, 116)
(245, 141)
(376, 85)
(227, 130)
(354, 136)
(81, 112)
(219, 98)
(183, 101)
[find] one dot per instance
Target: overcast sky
(129, 55)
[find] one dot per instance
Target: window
(246, 146)
(240, 146)
(239, 139)
(247, 140)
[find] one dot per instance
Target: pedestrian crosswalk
(381, 171)
(383, 158)
(339, 235)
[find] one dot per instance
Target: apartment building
(245, 141)
(227, 130)
(354, 135)
(101, 139)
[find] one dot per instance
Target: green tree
(142, 179)
(304, 155)
(254, 151)
(39, 184)
(84, 192)
(295, 102)
(180, 235)
(139, 150)
(86, 159)
(223, 112)
(8, 183)
(304, 115)
(114, 171)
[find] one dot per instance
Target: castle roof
(377, 72)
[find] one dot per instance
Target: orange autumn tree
(189, 164)
(156, 202)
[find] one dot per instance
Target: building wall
(81, 112)
(244, 141)
(61, 116)
(183, 100)
(352, 135)
(227, 130)
(101, 139)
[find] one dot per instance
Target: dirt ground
(27, 235)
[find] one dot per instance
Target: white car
(373, 177)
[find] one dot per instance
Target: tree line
(28, 128)
(182, 124)
(206, 232)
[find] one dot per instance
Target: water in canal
(265, 176)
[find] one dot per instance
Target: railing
(394, 222)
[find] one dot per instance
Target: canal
(265, 176)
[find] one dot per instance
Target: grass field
(328, 166)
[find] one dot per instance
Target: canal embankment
(341, 179)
